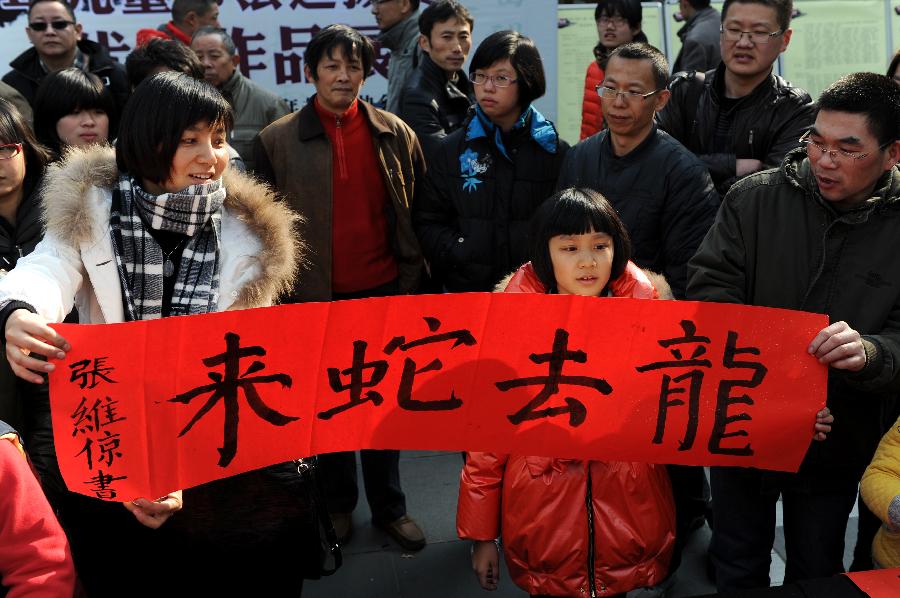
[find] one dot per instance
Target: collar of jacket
(459, 89)
(689, 23)
(28, 63)
(394, 38)
(228, 88)
(716, 83)
(310, 125)
(177, 34)
(540, 130)
(634, 155)
(886, 195)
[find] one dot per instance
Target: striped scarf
(195, 213)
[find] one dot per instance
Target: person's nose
(205, 153)
(744, 41)
(586, 259)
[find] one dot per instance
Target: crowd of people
(174, 185)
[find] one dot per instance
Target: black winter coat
(765, 125)
(481, 190)
(434, 107)
(661, 191)
(777, 243)
(27, 73)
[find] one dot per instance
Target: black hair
(440, 11)
(698, 4)
(630, 10)
(14, 128)
(161, 53)
(895, 62)
(414, 4)
(227, 42)
(63, 92)
(351, 42)
(524, 57)
(576, 212)
(783, 9)
(181, 8)
(155, 118)
(874, 96)
(68, 7)
(658, 64)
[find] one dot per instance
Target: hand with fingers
(154, 514)
(840, 347)
(824, 419)
(26, 334)
(486, 564)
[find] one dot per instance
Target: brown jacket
(294, 155)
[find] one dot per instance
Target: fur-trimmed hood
(67, 215)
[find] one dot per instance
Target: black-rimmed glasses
(42, 26)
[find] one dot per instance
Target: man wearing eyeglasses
(662, 192)
(740, 117)
(57, 44)
(817, 234)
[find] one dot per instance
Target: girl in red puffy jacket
(569, 527)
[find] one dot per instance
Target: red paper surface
(121, 432)
(881, 583)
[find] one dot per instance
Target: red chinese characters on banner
(145, 408)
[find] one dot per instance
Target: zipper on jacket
(589, 503)
(19, 249)
(339, 142)
(752, 153)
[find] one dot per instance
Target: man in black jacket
(817, 234)
(662, 192)
(665, 198)
(740, 118)
(57, 43)
(438, 94)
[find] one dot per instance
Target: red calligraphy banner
(144, 408)
(881, 583)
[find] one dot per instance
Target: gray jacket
(255, 108)
(699, 42)
(402, 40)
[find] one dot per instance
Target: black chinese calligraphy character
(88, 373)
(357, 383)
(95, 415)
(556, 358)
(724, 398)
(226, 389)
(145, 6)
(102, 484)
(694, 376)
(242, 42)
(404, 392)
(258, 4)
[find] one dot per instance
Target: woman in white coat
(153, 229)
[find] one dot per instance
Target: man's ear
(236, 60)
(424, 44)
(892, 157)
(786, 39)
(79, 31)
(662, 98)
(307, 72)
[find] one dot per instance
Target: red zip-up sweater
(361, 251)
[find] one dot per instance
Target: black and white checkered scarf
(194, 212)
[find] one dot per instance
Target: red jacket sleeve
(35, 560)
(480, 485)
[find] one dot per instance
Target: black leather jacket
(765, 125)
(434, 107)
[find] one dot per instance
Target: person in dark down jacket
(57, 47)
(438, 94)
(740, 117)
(660, 190)
(486, 179)
(570, 527)
(817, 234)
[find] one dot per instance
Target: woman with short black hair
(160, 228)
(73, 109)
(487, 178)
